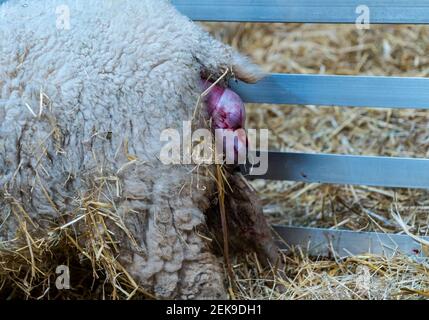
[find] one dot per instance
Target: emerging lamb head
(81, 115)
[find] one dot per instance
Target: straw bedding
(338, 49)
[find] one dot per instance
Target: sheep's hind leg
(201, 275)
(172, 258)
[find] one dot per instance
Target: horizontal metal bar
(317, 11)
(344, 243)
(308, 11)
(331, 90)
(347, 169)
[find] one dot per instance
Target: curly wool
(77, 102)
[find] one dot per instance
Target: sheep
(86, 89)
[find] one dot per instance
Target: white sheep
(86, 88)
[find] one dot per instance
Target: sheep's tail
(244, 69)
(215, 57)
